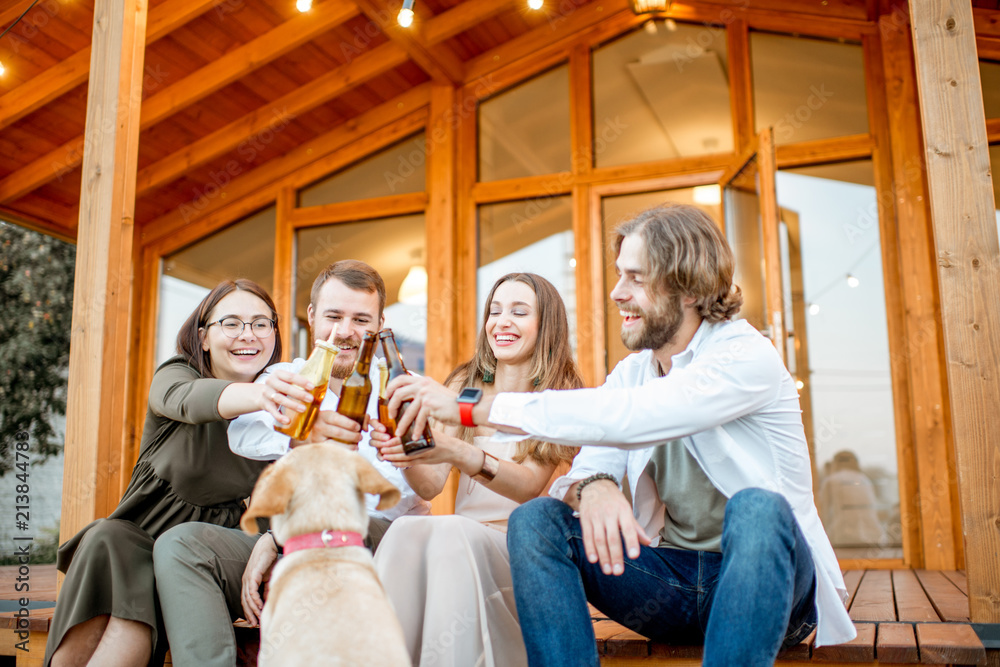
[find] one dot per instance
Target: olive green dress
(185, 472)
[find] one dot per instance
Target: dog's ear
(370, 481)
(270, 495)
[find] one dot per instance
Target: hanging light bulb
(405, 16)
(535, 4)
(303, 5)
(852, 280)
(814, 309)
(2, 70)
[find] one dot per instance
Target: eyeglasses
(233, 327)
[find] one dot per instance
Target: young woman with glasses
(107, 612)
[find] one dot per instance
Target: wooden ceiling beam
(400, 116)
(440, 62)
(460, 18)
(237, 63)
(74, 70)
(272, 115)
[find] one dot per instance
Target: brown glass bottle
(383, 403)
(316, 370)
(412, 442)
(357, 388)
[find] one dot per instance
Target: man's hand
(331, 425)
(284, 389)
(430, 399)
(258, 570)
(606, 520)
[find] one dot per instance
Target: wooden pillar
(931, 530)
(285, 283)
(96, 422)
(968, 260)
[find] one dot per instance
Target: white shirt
(253, 436)
(731, 400)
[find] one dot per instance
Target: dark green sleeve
(179, 393)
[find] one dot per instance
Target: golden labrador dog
(326, 606)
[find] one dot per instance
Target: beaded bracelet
(593, 478)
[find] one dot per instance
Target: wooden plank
(460, 18)
(526, 187)
(876, 81)
(896, 643)
(38, 621)
(951, 604)
(662, 168)
(912, 604)
(859, 649)
(467, 227)
(958, 578)
(770, 219)
(439, 62)
(993, 129)
(926, 463)
(442, 142)
(145, 304)
(359, 209)
(873, 601)
(284, 268)
(271, 117)
(740, 84)
(74, 70)
(627, 644)
(394, 119)
(987, 21)
(854, 147)
(852, 579)
(951, 644)
(968, 256)
(605, 630)
(96, 411)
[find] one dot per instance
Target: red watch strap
(465, 410)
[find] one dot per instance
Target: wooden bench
(902, 616)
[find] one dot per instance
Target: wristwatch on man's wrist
(467, 399)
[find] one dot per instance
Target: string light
(405, 16)
(535, 4)
(852, 280)
(814, 309)
(8, 28)
(303, 5)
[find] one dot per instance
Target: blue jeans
(744, 604)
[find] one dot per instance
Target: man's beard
(342, 368)
(657, 327)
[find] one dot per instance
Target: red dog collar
(328, 539)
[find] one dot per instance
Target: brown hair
(686, 254)
(552, 363)
(189, 337)
(356, 275)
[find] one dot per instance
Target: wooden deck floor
(902, 617)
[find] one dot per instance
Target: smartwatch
(468, 399)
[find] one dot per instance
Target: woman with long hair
(449, 576)
(107, 612)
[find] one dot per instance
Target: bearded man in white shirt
(213, 574)
(722, 544)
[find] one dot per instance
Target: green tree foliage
(36, 293)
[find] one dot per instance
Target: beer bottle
(383, 403)
(412, 442)
(357, 388)
(316, 370)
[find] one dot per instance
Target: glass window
(534, 236)
(618, 209)
(989, 74)
(808, 88)
(662, 92)
(837, 301)
(242, 250)
(395, 247)
(525, 131)
(397, 170)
